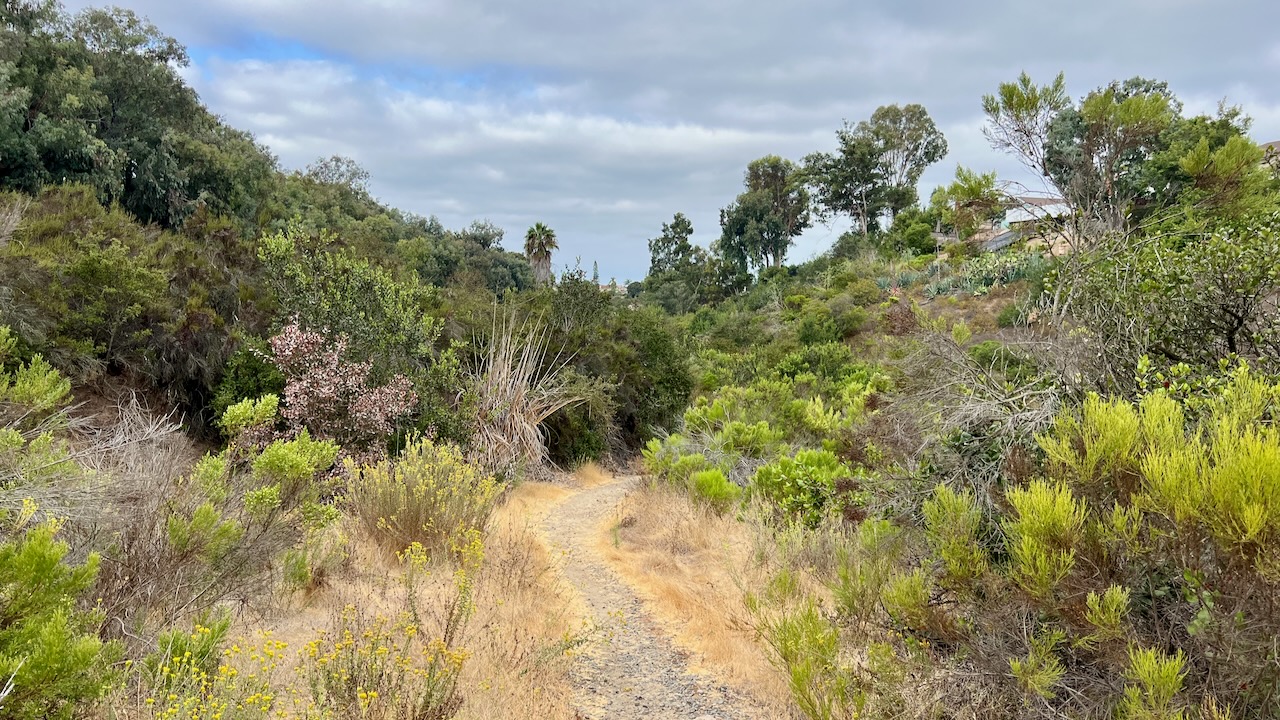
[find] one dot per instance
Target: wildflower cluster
(192, 677)
(379, 667)
(430, 495)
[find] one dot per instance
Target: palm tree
(539, 241)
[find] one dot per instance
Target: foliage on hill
(1037, 483)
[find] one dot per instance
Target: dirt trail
(630, 670)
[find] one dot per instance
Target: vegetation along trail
(632, 670)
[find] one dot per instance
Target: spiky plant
(517, 389)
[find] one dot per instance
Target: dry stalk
(516, 390)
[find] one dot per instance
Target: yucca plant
(516, 389)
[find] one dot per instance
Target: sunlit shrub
(803, 485)
(952, 523)
(52, 663)
(906, 599)
(1043, 534)
(865, 565)
(713, 488)
(1040, 671)
(429, 495)
(756, 440)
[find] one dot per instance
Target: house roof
(1037, 211)
(1001, 241)
(1038, 200)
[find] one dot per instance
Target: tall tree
(539, 243)
(1019, 115)
(760, 225)
(852, 181)
(671, 251)
(1095, 153)
(779, 181)
(681, 275)
(909, 142)
(340, 170)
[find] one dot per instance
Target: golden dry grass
(590, 475)
(516, 637)
(690, 565)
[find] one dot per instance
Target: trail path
(630, 670)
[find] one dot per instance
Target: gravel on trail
(629, 670)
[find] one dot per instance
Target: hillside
(271, 448)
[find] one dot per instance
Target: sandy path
(630, 670)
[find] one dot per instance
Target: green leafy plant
(713, 488)
(1041, 670)
(430, 495)
(51, 658)
(803, 485)
(952, 523)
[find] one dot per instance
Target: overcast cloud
(603, 119)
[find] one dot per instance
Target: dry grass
(517, 636)
(524, 626)
(691, 566)
(590, 475)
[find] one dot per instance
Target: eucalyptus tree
(909, 142)
(760, 225)
(851, 181)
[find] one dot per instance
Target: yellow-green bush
(952, 522)
(52, 662)
(713, 488)
(1157, 526)
(430, 495)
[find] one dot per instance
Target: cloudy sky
(602, 119)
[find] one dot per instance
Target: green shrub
(864, 291)
(816, 325)
(864, 567)
(757, 440)
(713, 488)
(803, 486)
(249, 413)
(829, 361)
(1041, 670)
(1011, 315)
(849, 317)
(952, 522)
(248, 374)
(573, 438)
(1155, 679)
(686, 465)
(429, 495)
(924, 261)
(1155, 514)
(906, 599)
(200, 649)
(958, 252)
(49, 650)
(1043, 535)
(294, 464)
